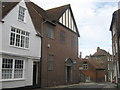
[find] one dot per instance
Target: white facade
(29, 55)
(0, 36)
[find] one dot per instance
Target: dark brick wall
(61, 52)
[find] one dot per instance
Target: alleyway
(100, 86)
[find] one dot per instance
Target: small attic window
(21, 14)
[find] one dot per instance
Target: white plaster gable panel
(11, 20)
(67, 20)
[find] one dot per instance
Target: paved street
(102, 86)
(93, 85)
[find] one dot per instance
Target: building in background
(105, 59)
(115, 31)
(91, 71)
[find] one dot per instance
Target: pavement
(82, 85)
(110, 85)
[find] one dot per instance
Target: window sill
(52, 38)
(10, 80)
(22, 21)
(19, 47)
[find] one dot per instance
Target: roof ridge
(67, 5)
(35, 9)
(95, 63)
(7, 7)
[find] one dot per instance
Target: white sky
(93, 18)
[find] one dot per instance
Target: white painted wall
(29, 72)
(0, 36)
(0, 72)
(12, 20)
(34, 50)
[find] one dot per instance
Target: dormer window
(21, 15)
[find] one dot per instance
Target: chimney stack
(98, 48)
(80, 54)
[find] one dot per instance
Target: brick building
(60, 48)
(105, 59)
(91, 71)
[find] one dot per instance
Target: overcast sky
(93, 18)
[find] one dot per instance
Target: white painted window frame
(85, 66)
(27, 35)
(21, 14)
(13, 68)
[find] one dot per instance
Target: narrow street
(100, 86)
(93, 85)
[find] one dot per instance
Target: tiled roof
(93, 62)
(37, 13)
(7, 7)
(115, 18)
(39, 10)
(55, 13)
(101, 52)
(36, 17)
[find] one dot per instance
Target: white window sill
(22, 21)
(19, 47)
(10, 80)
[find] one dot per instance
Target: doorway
(69, 72)
(35, 73)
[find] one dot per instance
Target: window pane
(7, 68)
(72, 41)
(62, 36)
(18, 70)
(19, 38)
(22, 41)
(50, 32)
(23, 32)
(27, 42)
(12, 39)
(85, 66)
(21, 13)
(50, 62)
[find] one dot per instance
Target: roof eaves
(74, 21)
(67, 6)
(114, 18)
(8, 8)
